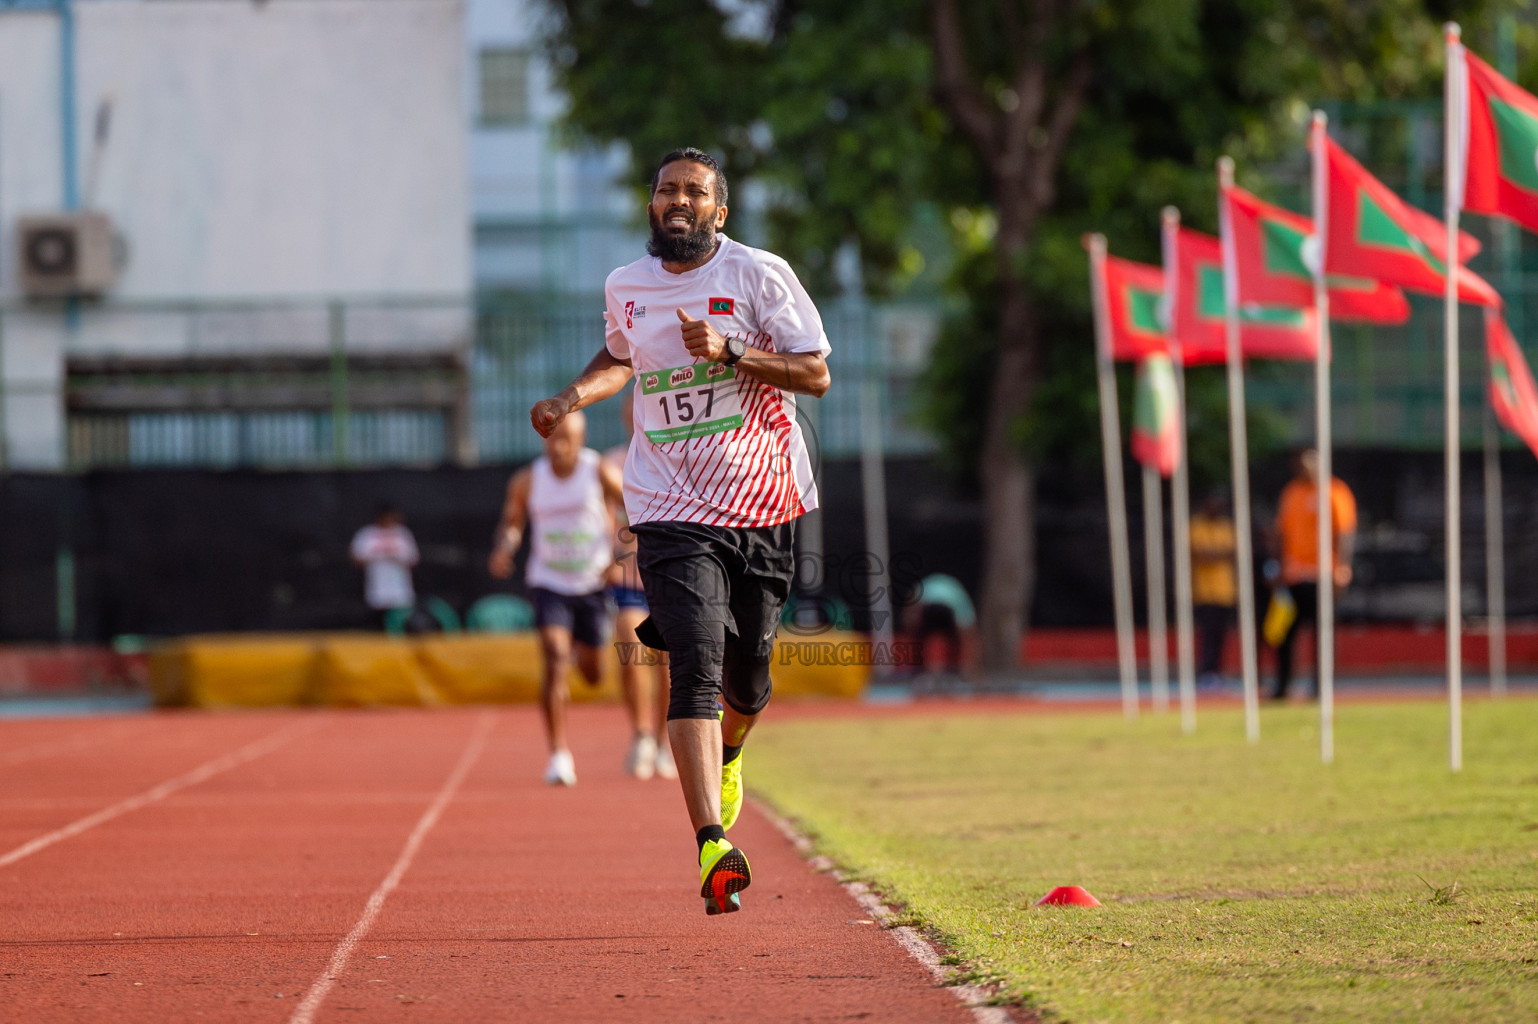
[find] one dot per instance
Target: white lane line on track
(974, 997)
(201, 773)
(304, 1013)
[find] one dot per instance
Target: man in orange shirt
(1297, 534)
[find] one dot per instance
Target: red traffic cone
(1068, 896)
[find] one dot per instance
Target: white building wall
(31, 178)
(292, 149)
(279, 149)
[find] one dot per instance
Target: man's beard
(694, 246)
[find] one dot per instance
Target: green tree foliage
(829, 108)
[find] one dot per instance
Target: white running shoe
(562, 770)
(641, 763)
(666, 769)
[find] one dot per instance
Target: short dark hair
(699, 156)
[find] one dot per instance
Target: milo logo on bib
(689, 401)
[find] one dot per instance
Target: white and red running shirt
(711, 445)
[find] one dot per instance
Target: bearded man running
(721, 337)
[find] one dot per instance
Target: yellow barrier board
(502, 668)
(234, 671)
(361, 669)
(367, 671)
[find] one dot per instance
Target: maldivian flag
(1499, 143)
(1135, 293)
(1275, 252)
(1156, 414)
(1372, 233)
(1265, 331)
(1512, 391)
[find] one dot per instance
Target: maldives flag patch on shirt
(721, 306)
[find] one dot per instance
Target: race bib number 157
(689, 401)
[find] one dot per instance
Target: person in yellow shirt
(1214, 585)
(1297, 525)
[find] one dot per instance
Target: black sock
(729, 754)
(708, 833)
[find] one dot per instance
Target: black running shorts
(715, 595)
(585, 616)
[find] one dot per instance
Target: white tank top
(571, 545)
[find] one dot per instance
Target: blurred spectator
(1297, 524)
(386, 550)
(941, 607)
(1214, 584)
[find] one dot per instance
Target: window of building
(504, 87)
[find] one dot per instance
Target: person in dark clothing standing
(1214, 585)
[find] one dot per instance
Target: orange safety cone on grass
(1068, 896)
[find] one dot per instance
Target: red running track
(236, 867)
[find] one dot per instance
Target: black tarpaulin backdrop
(162, 553)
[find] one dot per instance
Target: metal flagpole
(1180, 494)
(1325, 627)
(1507, 242)
(1454, 541)
(1153, 542)
(1239, 452)
(873, 495)
(1495, 550)
(1115, 494)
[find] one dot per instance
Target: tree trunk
(1009, 539)
(1009, 551)
(1021, 144)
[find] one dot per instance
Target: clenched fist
(702, 340)
(547, 414)
(500, 564)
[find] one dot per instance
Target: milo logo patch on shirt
(682, 375)
(651, 382)
(715, 370)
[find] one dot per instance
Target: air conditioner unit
(65, 254)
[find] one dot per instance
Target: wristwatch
(736, 348)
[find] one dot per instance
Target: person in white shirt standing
(721, 337)
(562, 499)
(386, 551)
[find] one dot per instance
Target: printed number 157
(683, 405)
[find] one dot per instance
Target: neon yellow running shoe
(731, 791)
(723, 874)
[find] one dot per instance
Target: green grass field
(1240, 883)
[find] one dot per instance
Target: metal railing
(317, 383)
(301, 382)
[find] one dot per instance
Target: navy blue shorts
(585, 616)
(628, 597)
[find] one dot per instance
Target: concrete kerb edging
(976, 998)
